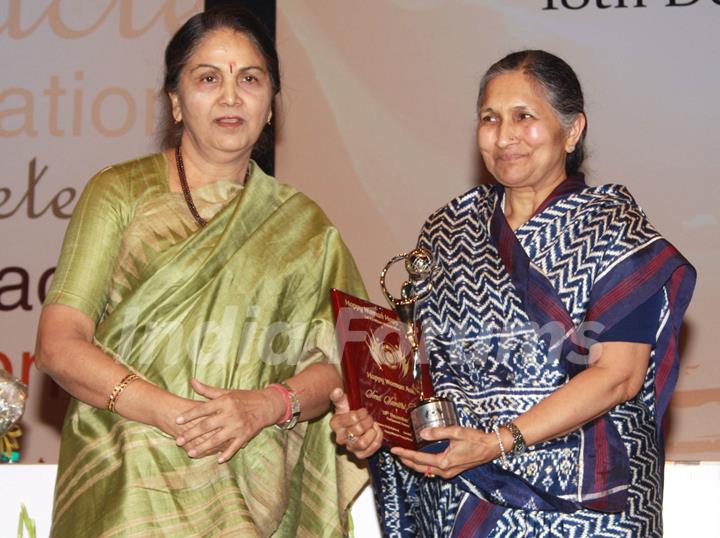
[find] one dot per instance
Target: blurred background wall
(377, 124)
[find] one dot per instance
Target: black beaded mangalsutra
(186, 188)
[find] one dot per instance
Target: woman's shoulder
(613, 200)
(611, 195)
(148, 170)
(282, 193)
(131, 179)
(457, 208)
(613, 208)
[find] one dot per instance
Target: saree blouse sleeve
(91, 245)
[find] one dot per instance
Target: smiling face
(521, 139)
(224, 95)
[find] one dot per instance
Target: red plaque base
(377, 365)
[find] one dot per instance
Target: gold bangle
(117, 390)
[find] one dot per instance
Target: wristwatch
(519, 445)
(294, 408)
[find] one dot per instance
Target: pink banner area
(378, 126)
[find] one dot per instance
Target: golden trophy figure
(430, 411)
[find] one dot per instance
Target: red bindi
(231, 67)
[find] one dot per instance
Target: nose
(506, 134)
(230, 94)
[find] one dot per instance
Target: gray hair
(560, 84)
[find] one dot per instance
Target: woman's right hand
(357, 430)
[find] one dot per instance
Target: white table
(692, 493)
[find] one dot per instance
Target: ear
(575, 132)
(175, 106)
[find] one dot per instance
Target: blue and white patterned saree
(508, 322)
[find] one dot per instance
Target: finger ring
(428, 474)
(350, 437)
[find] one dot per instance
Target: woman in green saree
(190, 313)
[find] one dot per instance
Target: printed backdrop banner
(378, 125)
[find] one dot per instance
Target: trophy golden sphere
(419, 264)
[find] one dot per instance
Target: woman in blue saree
(553, 327)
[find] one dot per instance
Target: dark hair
(560, 84)
(186, 40)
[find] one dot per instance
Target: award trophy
(382, 357)
(430, 411)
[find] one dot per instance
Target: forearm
(80, 368)
(90, 375)
(614, 379)
(588, 395)
(313, 387)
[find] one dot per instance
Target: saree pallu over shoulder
(508, 322)
(584, 262)
(239, 304)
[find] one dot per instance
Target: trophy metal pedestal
(434, 411)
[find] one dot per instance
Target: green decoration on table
(26, 522)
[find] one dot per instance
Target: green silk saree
(239, 304)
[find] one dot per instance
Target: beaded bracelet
(117, 390)
(503, 454)
(519, 444)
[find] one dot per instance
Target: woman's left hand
(228, 421)
(468, 448)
